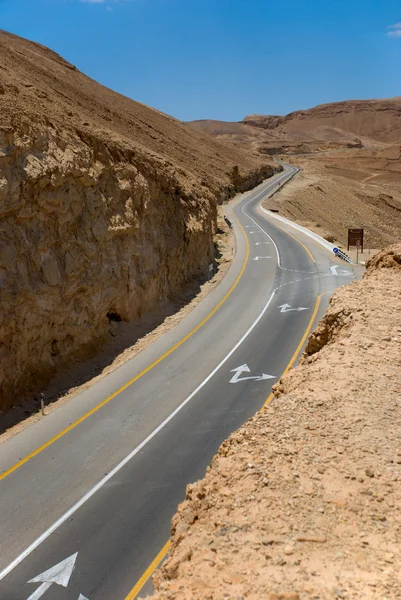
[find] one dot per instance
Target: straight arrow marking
(40, 591)
(59, 574)
(90, 493)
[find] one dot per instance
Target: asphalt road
(104, 481)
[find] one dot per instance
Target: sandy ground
(334, 192)
(303, 500)
(126, 340)
(359, 257)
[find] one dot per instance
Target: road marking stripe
(301, 343)
(131, 455)
(153, 566)
(299, 242)
(278, 227)
(148, 573)
(131, 381)
(118, 467)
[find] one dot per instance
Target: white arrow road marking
(64, 517)
(59, 574)
(260, 257)
(254, 232)
(339, 272)
(81, 597)
(40, 591)
(245, 369)
(261, 243)
(287, 308)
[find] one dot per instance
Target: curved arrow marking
(245, 369)
(340, 272)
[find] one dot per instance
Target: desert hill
(349, 153)
(107, 208)
(370, 122)
(240, 133)
(37, 83)
(378, 120)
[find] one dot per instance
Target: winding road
(94, 484)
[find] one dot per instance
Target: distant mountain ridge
(371, 120)
(376, 119)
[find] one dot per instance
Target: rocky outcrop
(302, 501)
(86, 239)
(97, 222)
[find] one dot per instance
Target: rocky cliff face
(302, 501)
(94, 226)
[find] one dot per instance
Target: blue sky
(223, 59)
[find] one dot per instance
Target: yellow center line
(148, 573)
(301, 343)
(131, 381)
(157, 560)
(309, 253)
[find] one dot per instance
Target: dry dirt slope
(353, 188)
(302, 502)
(342, 185)
(375, 119)
(107, 207)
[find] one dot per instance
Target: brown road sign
(355, 238)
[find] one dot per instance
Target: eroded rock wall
(85, 236)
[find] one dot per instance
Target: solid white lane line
(116, 469)
(261, 228)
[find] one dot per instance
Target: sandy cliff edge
(303, 500)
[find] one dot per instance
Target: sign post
(355, 236)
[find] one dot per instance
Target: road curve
(102, 475)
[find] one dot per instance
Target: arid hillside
(349, 153)
(374, 119)
(239, 133)
(328, 126)
(302, 502)
(338, 190)
(107, 207)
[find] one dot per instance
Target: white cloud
(394, 30)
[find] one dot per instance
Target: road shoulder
(302, 500)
